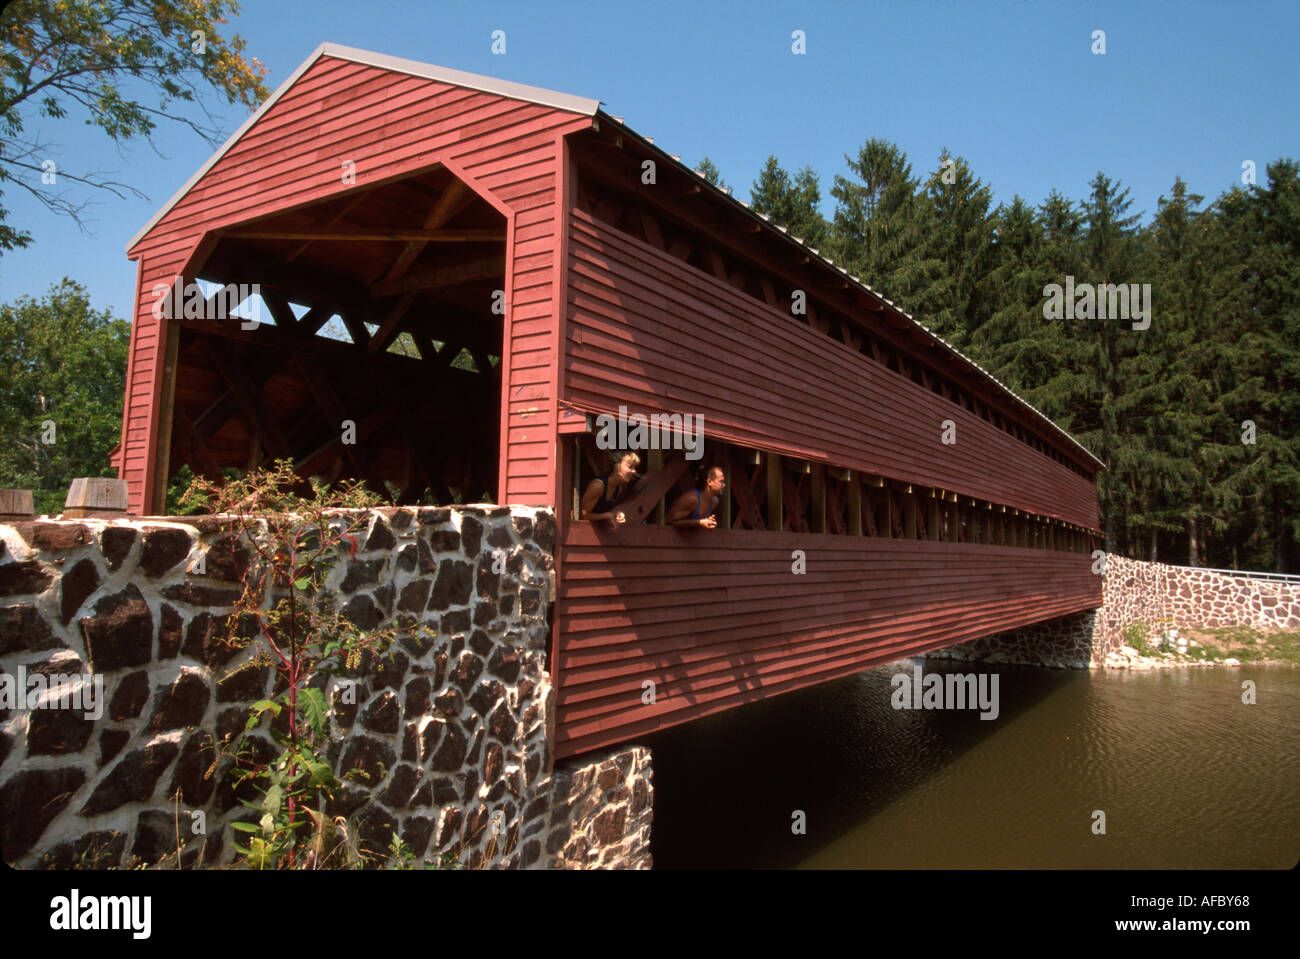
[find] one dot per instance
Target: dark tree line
(1197, 415)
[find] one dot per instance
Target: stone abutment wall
(1154, 595)
(453, 730)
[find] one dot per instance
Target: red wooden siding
(649, 331)
(716, 619)
(390, 124)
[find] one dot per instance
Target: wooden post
(910, 518)
(818, 480)
(577, 475)
(954, 522)
(775, 513)
(16, 505)
(933, 525)
(855, 504)
(655, 462)
(729, 476)
(162, 472)
(96, 496)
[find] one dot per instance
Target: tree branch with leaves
(127, 65)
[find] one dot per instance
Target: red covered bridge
(468, 271)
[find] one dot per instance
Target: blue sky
(1189, 89)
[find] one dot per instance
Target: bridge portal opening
(367, 345)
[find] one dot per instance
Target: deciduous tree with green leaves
(123, 64)
(62, 379)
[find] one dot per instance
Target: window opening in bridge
(766, 491)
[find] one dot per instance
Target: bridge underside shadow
(727, 787)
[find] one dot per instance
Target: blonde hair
(616, 458)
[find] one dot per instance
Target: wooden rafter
(413, 237)
(193, 450)
(348, 206)
(392, 324)
(482, 268)
(247, 397)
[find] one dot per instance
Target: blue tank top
(699, 501)
(604, 504)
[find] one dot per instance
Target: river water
(1187, 776)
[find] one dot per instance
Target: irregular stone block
(202, 594)
(132, 779)
(120, 633)
(371, 756)
(56, 732)
(197, 757)
(53, 535)
(115, 542)
(111, 742)
(22, 629)
(407, 557)
(94, 850)
(208, 640)
(449, 827)
(381, 537)
(544, 532)
(76, 585)
(130, 696)
(453, 585)
(449, 703)
(361, 573)
(416, 833)
(170, 632)
(155, 835)
(450, 754)
(390, 670)
(444, 540)
(362, 611)
(406, 779)
(375, 827)
(433, 516)
(493, 763)
(162, 547)
(414, 596)
(22, 579)
(226, 560)
(455, 621)
(42, 794)
(486, 695)
(244, 684)
(382, 715)
(417, 697)
(179, 705)
(502, 725)
(504, 663)
(467, 671)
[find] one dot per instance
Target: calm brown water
(1186, 775)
